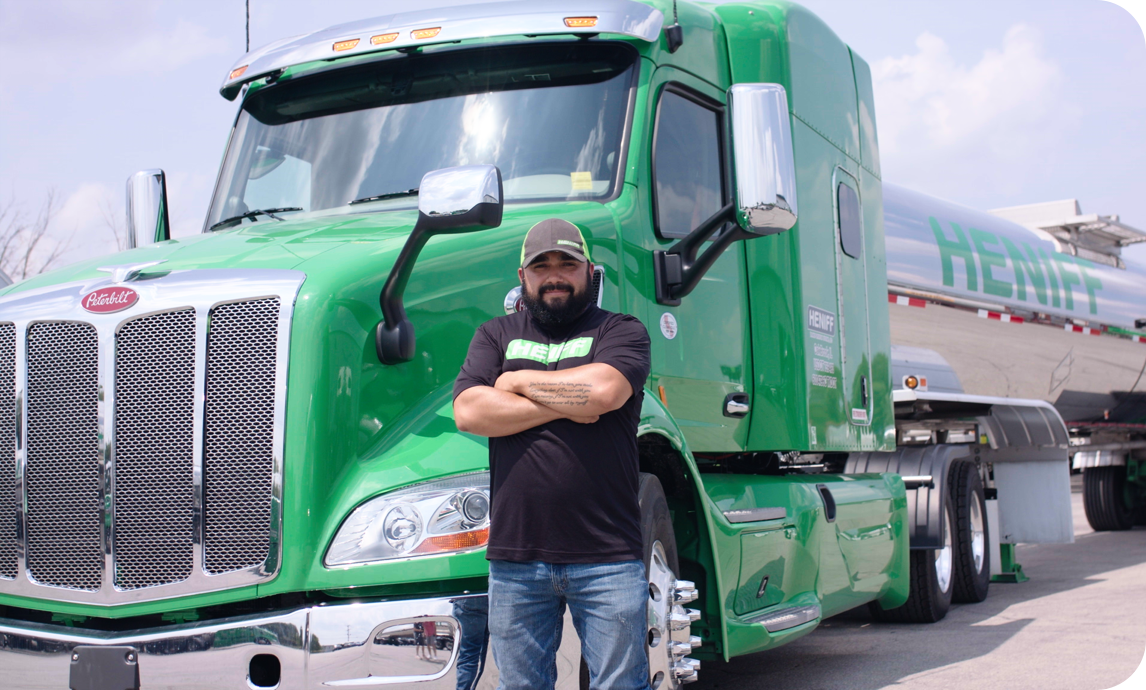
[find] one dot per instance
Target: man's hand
(589, 390)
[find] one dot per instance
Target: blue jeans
(608, 602)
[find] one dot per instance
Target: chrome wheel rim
(658, 641)
(978, 534)
(943, 561)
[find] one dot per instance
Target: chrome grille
(238, 448)
(154, 450)
(63, 466)
(141, 450)
(7, 450)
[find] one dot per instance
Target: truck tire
(1104, 499)
(932, 575)
(668, 669)
(669, 638)
(972, 574)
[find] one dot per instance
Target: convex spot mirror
(461, 199)
(147, 219)
(763, 162)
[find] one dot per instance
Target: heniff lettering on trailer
(821, 324)
(1008, 266)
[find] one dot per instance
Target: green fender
(656, 419)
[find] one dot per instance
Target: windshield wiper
(257, 212)
(391, 195)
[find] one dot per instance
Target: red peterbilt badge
(109, 299)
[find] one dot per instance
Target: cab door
(851, 279)
(700, 348)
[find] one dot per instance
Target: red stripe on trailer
(1085, 330)
(1005, 318)
(1140, 339)
(906, 301)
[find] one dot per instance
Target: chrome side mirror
(450, 200)
(460, 199)
(762, 158)
(147, 220)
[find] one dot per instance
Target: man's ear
(521, 276)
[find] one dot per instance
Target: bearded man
(557, 388)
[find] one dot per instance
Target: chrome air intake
(141, 438)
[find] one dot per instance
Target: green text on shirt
(547, 354)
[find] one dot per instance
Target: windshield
(550, 116)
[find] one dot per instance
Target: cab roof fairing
(510, 18)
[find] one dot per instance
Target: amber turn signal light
(911, 382)
(580, 22)
(454, 542)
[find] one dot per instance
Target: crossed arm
(521, 400)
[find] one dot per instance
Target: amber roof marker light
(580, 22)
(420, 34)
(382, 39)
(237, 72)
(346, 45)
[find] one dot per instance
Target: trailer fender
(925, 503)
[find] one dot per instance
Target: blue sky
(987, 104)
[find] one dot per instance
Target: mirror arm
(677, 270)
(394, 335)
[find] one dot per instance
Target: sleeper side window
(851, 232)
(687, 164)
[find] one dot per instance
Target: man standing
(557, 388)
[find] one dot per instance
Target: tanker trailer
(1016, 312)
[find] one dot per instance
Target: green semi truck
(232, 460)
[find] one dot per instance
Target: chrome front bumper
(350, 645)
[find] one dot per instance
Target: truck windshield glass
(550, 116)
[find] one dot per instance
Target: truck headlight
(434, 517)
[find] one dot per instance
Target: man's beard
(563, 312)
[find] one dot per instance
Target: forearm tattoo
(560, 393)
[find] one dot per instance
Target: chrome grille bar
(7, 451)
(154, 450)
(63, 475)
(238, 458)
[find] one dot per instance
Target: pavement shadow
(854, 651)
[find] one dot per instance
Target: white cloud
(983, 121)
(128, 37)
(83, 221)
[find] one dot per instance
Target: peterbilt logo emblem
(109, 299)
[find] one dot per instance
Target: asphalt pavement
(1078, 624)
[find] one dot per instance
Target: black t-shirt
(564, 492)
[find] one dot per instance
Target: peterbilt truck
(232, 460)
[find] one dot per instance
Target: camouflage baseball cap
(553, 235)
